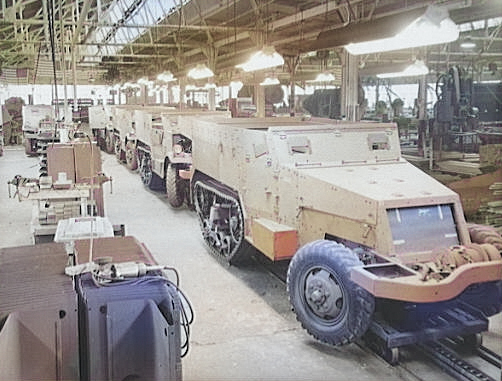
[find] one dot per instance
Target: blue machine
(123, 320)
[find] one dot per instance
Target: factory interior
(251, 190)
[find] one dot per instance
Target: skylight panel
(480, 24)
(126, 20)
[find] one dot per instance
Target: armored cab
(369, 235)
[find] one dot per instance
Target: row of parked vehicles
(376, 247)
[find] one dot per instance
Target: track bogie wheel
(471, 343)
(221, 221)
(117, 148)
(131, 156)
(328, 304)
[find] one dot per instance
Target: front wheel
(148, 177)
(117, 148)
(331, 307)
(29, 146)
(174, 186)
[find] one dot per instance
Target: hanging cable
(50, 16)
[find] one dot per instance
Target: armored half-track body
(368, 233)
(377, 248)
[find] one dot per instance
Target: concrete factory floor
(244, 328)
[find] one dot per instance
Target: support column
(182, 93)
(259, 97)
(350, 86)
(143, 95)
(423, 123)
(292, 63)
(211, 98)
(211, 53)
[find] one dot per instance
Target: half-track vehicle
(152, 141)
(100, 123)
(165, 152)
(376, 246)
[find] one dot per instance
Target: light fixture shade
(236, 86)
(143, 81)
(468, 44)
(263, 59)
(323, 77)
(433, 27)
(415, 69)
(270, 81)
(166, 76)
(200, 71)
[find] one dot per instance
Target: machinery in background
(466, 114)
(467, 141)
(72, 187)
(455, 118)
(12, 120)
(324, 103)
(38, 128)
(80, 110)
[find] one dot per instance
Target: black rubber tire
(174, 186)
(101, 142)
(117, 148)
(28, 147)
(131, 156)
(325, 267)
(148, 177)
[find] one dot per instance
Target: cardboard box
(60, 158)
(87, 161)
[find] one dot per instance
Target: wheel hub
(323, 294)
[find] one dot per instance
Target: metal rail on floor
(451, 363)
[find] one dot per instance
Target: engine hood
(380, 182)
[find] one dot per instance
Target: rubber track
(220, 191)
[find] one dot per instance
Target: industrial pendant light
(265, 58)
(268, 81)
(200, 71)
(433, 27)
(415, 69)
